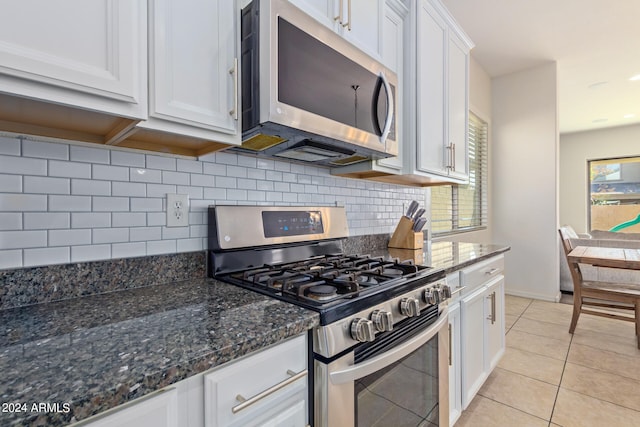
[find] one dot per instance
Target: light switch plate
(177, 210)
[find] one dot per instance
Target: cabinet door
(159, 410)
(455, 378)
(363, 24)
(193, 63)
(323, 11)
(472, 315)
(458, 107)
(88, 54)
(495, 341)
(431, 42)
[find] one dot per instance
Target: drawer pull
(244, 403)
(460, 289)
(492, 271)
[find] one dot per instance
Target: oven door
(402, 381)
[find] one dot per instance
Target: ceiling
(596, 47)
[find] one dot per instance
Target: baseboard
(532, 295)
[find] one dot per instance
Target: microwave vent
(349, 160)
(260, 142)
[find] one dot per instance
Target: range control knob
(382, 320)
(362, 330)
(409, 307)
(446, 290)
(430, 296)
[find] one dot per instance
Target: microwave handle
(370, 366)
(388, 121)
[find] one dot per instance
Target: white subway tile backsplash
(10, 146)
(13, 202)
(129, 219)
(12, 258)
(125, 158)
(128, 250)
(69, 169)
(69, 237)
(69, 203)
(10, 183)
(202, 180)
(89, 154)
(143, 234)
(10, 220)
(191, 166)
(145, 205)
(110, 204)
(110, 173)
(23, 165)
(178, 178)
(88, 187)
(189, 245)
(46, 220)
(90, 219)
(90, 253)
(23, 239)
(160, 190)
(133, 189)
(156, 218)
(175, 233)
(214, 169)
(46, 185)
(110, 235)
(158, 247)
(45, 256)
(145, 175)
(161, 162)
(45, 150)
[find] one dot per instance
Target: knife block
(414, 255)
(404, 237)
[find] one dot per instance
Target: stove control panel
(364, 326)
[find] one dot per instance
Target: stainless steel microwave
(308, 94)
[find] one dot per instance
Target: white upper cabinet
(193, 69)
(442, 87)
(359, 21)
(88, 54)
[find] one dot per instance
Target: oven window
(402, 394)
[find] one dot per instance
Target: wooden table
(606, 257)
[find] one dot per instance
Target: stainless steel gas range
(380, 354)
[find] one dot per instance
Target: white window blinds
(459, 208)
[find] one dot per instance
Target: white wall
(524, 161)
(62, 203)
(575, 150)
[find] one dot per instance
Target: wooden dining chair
(622, 297)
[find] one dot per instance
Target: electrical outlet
(177, 210)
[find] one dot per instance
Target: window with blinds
(460, 208)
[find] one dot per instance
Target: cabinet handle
(348, 24)
(234, 72)
(245, 403)
(457, 290)
(453, 156)
(492, 297)
(339, 17)
(492, 271)
(450, 159)
(450, 351)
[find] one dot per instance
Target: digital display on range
(291, 223)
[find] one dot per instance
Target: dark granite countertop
(96, 352)
(452, 256)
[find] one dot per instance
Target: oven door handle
(368, 367)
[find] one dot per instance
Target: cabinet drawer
(480, 273)
(251, 377)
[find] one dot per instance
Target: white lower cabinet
(267, 388)
(482, 325)
(160, 409)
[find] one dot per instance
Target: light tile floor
(548, 377)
